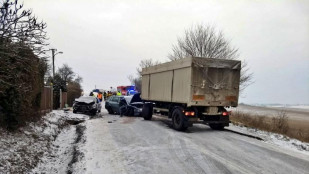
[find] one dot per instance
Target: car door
(114, 103)
(109, 101)
(117, 105)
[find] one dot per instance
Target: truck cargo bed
(193, 81)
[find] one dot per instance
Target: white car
(87, 104)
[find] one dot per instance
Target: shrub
(278, 123)
(21, 84)
(22, 63)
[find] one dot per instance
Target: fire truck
(127, 90)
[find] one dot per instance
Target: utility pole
(54, 53)
(53, 56)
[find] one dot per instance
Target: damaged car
(87, 105)
(133, 105)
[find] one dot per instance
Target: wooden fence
(46, 100)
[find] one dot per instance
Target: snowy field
(294, 112)
(281, 106)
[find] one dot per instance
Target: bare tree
(205, 41)
(21, 26)
(131, 79)
(145, 63)
(74, 89)
(135, 81)
(66, 80)
(66, 73)
(78, 79)
(23, 40)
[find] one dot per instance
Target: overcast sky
(103, 41)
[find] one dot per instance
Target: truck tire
(216, 126)
(147, 111)
(179, 120)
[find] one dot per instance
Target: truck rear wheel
(147, 111)
(179, 120)
(216, 126)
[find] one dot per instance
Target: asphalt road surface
(132, 145)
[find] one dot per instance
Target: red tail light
(188, 113)
(225, 113)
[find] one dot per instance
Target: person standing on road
(123, 107)
(118, 93)
(100, 96)
(104, 95)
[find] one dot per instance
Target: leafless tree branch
(205, 41)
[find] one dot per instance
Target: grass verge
(279, 123)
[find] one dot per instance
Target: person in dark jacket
(123, 107)
(105, 96)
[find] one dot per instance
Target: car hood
(84, 101)
(136, 98)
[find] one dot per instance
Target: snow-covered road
(131, 145)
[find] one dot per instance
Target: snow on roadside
(273, 138)
(78, 163)
(61, 154)
(66, 152)
(33, 144)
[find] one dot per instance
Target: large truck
(192, 90)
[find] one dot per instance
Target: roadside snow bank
(65, 149)
(61, 154)
(23, 149)
(273, 138)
